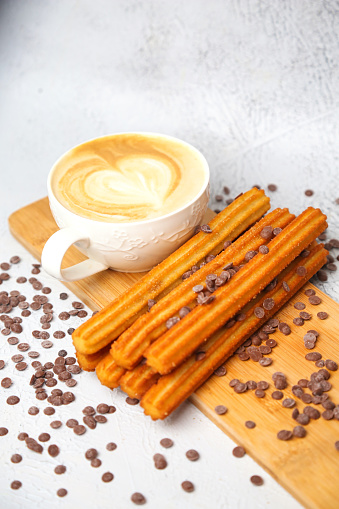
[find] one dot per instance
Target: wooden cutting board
(307, 468)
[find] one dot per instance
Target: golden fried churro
(137, 381)
(89, 362)
(173, 347)
(172, 389)
(129, 348)
(108, 372)
(110, 322)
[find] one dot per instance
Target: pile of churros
(168, 333)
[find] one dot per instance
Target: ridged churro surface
(129, 348)
(111, 321)
(182, 339)
(172, 389)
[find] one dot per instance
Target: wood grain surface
(306, 467)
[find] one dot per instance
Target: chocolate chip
(90, 421)
(15, 259)
(100, 418)
(284, 328)
(314, 300)
(187, 486)
(301, 271)
(62, 492)
(33, 410)
(53, 450)
(71, 423)
(63, 296)
(264, 249)
(267, 361)
(303, 419)
(286, 286)
(59, 334)
(299, 306)
(299, 431)
(159, 461)
(257, 480)
(331, 365)
(131, 401)
(250, 424)
(220, 409)
(16, 458)
(313, 356)
(284, 434)
(22, 436)
(13, 400)
(111, 446)
(107, 477)
(192, 455)
(322, 315)
(221, 371)
(33, 445)
(90, 454)
(44, 437)
(3, 432)
(60, 469)
(206, 228)
(277, 395)
(259, 312)
(266, 233)
(79, 429)
(56, 424)
(138, 498)
(15, 485)
(327, 415)
(288, 403)
(238, 452)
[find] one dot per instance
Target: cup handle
(55, 249)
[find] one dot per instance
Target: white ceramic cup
(134, 246)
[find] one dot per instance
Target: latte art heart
(127, 180)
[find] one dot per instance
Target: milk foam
(127, 178)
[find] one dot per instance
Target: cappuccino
(128, 177)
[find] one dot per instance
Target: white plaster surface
(254, 85)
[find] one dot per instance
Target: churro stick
(108, 372)
(111, 321)
(137, 381)
(172, 389)
(129, 348)
(173, 347)
(89, 362)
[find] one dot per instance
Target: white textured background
(254, 85)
